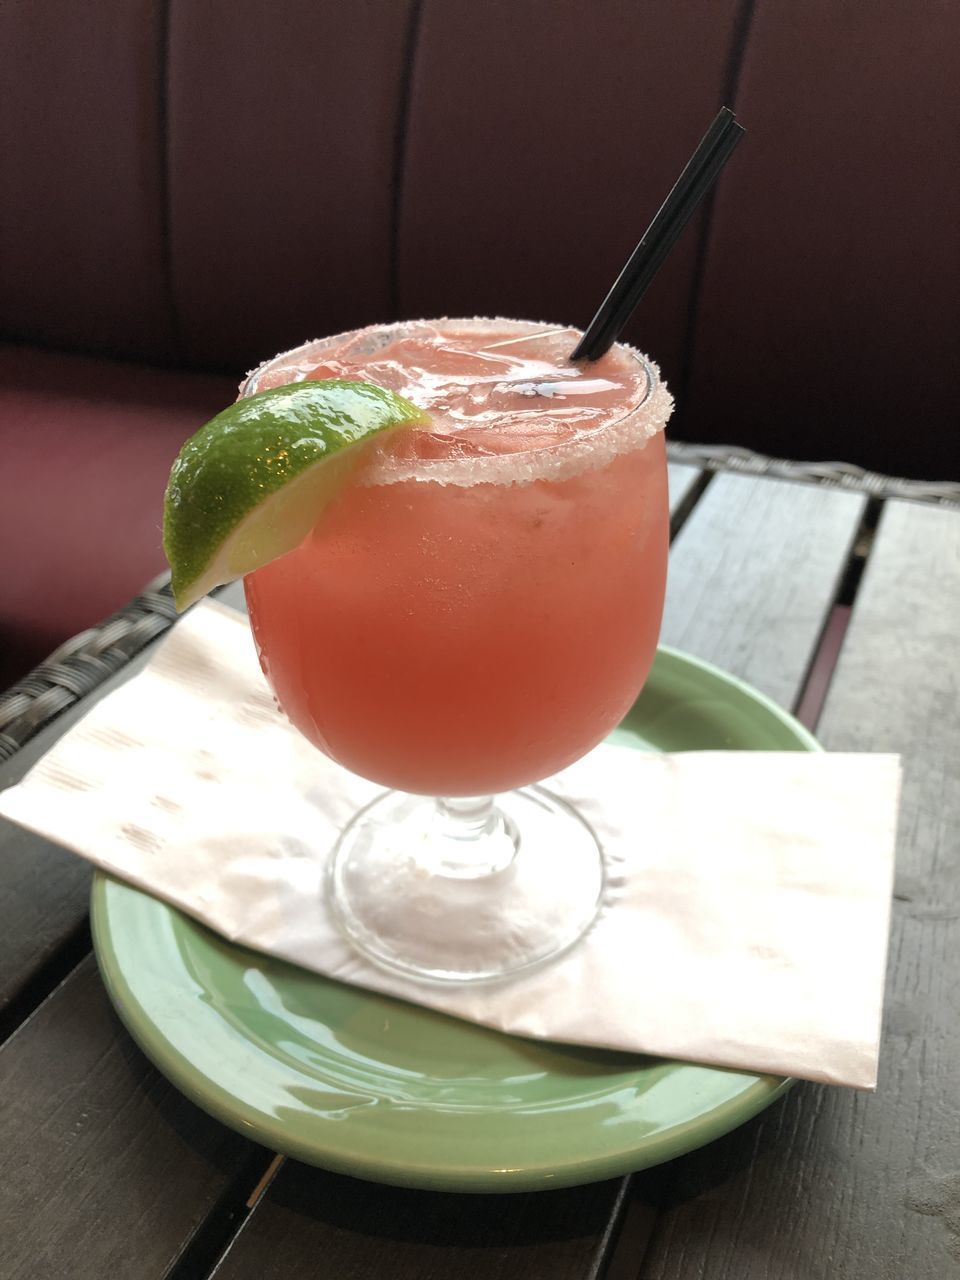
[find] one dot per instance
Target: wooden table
(842, 606)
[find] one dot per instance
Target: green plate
(380, 1089)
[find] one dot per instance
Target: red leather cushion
(282, 123)
(81, 150)
(86, 447)
(541, 141)
(830, 308)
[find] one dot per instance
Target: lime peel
(252, 482)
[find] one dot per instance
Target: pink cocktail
(476, 610)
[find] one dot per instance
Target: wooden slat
(44, 893)
(836, 1185)
(316, 1224)
(105, 1169)
(751, 572)
(681, 480)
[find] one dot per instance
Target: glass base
(465, 890)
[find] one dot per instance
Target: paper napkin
(747, 911)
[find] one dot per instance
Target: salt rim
(555, 462)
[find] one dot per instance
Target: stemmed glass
(472, 614)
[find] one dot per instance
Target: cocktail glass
(475, 611)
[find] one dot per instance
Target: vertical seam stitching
(166, 214)
(404, 99)
(730, 88)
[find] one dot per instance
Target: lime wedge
(251, 484)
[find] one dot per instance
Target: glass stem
(474, 838)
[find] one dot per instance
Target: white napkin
(749, 893)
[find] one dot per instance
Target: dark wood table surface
(841, 606)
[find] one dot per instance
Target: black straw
(702, 170)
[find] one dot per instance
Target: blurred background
(189, 186)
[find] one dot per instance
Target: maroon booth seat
(191, 187)
(80, 515)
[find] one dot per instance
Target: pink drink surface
(461, 636)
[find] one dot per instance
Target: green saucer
(380, 1089)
